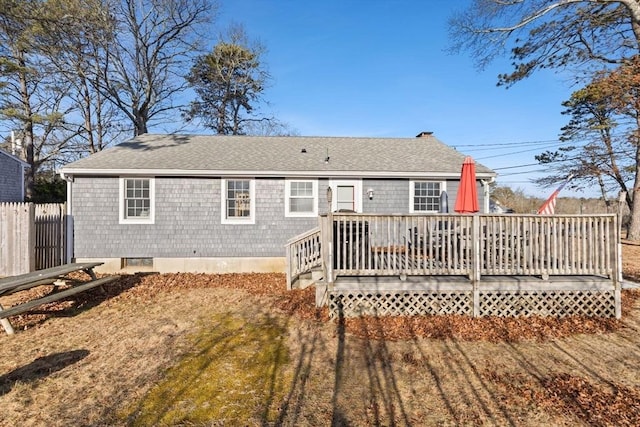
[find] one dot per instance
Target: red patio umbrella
(467, 199)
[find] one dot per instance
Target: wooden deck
(462, 283)
(472, 264)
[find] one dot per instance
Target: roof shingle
(278, 155)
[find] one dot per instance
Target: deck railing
(472, 245)
(302, 254)
(548, 245)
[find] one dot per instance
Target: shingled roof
(217, 155)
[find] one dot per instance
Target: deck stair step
(309, 278)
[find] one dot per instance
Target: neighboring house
(12, 171)
(230, 203)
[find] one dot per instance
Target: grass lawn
(240, 350)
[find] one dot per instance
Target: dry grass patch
(233, 373)
(191, 349)
(592, 403)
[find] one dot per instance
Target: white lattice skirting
(501, 304)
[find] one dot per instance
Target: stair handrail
(302, 254)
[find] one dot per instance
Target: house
(230, 203)
(12, 171)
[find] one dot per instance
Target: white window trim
(287, 199)
(152, 202)
(412, 187)
(251, 219)
(357, 188)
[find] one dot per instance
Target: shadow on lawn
(369, 380)
(374, 381)
(40, 368)
(78, 303)
(379, 397)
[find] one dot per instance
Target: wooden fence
(17, 238)
(50, 235)
(32, 237)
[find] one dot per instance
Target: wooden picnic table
(10, 285)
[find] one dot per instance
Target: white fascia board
(266, 174)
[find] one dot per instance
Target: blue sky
(380, 68)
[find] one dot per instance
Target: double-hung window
(137, 200)
(238, 201)
(301, 198)
(425, 196)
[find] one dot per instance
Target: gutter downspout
(486, 194)
(22, 189)
(68, 218)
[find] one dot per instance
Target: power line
(515, 152)
(525, 172)
(509, 143)
(516, 167)
(622, 152)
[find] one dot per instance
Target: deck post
(326, 237)
(475, 263)
(617, 267)
(287, 267)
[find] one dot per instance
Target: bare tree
(144, 66)
(73, 35)
(269, 127)
(598, 151)
(586, 35)
(541, 34)
(32, 100)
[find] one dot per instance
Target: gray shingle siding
(188, 218)
(187, 221)
(393, 196)
(389, 197)
(10, 179)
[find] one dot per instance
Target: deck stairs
(308, 278)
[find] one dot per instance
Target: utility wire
(524, 172)
(511, 144)
(514, 152)
(516, 167)
(622, 152)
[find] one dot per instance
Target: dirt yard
(187, 349)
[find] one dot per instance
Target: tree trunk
(634, 226)
(27, 128)
(140, 124)
(633, 232)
